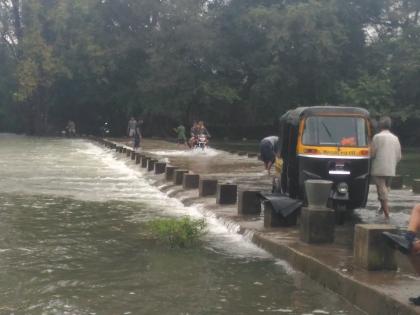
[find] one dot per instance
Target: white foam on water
(223, 236)
(209, 152)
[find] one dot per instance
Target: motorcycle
(105, 130)
(200, 142)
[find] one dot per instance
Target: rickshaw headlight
(343, 188)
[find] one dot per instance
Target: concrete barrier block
(317, 225)
(274, 219)
(124, 150)
(226, 194)
(178, 176)
(160, 168)
(190, 181)
(397, 182)
(128, 152)
(416, 186)
(138, 158)
(169, 172)
(370, 249)
(133, 155)
(151, 165)
(249, 202)
(207, 187)
(144, 161)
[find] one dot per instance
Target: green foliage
(182, 232)
(237, 63)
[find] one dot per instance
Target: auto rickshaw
(330, 143)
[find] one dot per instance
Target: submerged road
(380, 292)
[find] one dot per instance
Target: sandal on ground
(415, 300)
(399, 242)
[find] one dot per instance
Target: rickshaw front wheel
(340, 212)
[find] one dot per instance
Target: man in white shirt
(386, 153)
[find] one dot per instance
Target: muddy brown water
(73, 240)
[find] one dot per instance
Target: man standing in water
(131, 127)
(386, 153)
(137, 135)
(408, 244)
(181, 137)
(269, 151)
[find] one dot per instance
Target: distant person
(138, 135)
(181, 138)
(71, 128)
(386, 153)
(409, 244)
(202, 130)
(194, 132)
(131, 127)
(269, 151)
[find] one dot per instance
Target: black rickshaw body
(329, 143)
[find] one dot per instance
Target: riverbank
(332, 265)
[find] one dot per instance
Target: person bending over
(269, 150)
(408, 243)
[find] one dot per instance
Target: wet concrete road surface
(380, 292)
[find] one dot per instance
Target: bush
(178, 232)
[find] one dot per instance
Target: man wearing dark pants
(269, 150)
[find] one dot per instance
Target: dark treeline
(236, 64)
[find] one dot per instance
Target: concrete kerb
(169, 172)
(178, 176)
(190, 181)
(151, 164)
(361, 294)
(144, 161)
(416, 186)
(160, 168)
(226, 194)
(207, 187)
(397, 182)
(138, 158)
(364, 296)
(249, 202)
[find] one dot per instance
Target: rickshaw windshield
(335, 131)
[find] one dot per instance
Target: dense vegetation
(237, 64)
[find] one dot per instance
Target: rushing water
(73, 241)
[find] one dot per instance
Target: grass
(178, 232)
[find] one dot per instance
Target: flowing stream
(73, 240)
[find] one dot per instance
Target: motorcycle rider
(194, 131)
(202, 132)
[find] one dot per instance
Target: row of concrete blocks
(317, 225)
(243, 153)
(397, 182)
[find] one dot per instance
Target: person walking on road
(269, 150)
(131, 127)
(180, 134)
(137, 135)
(386, 153)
